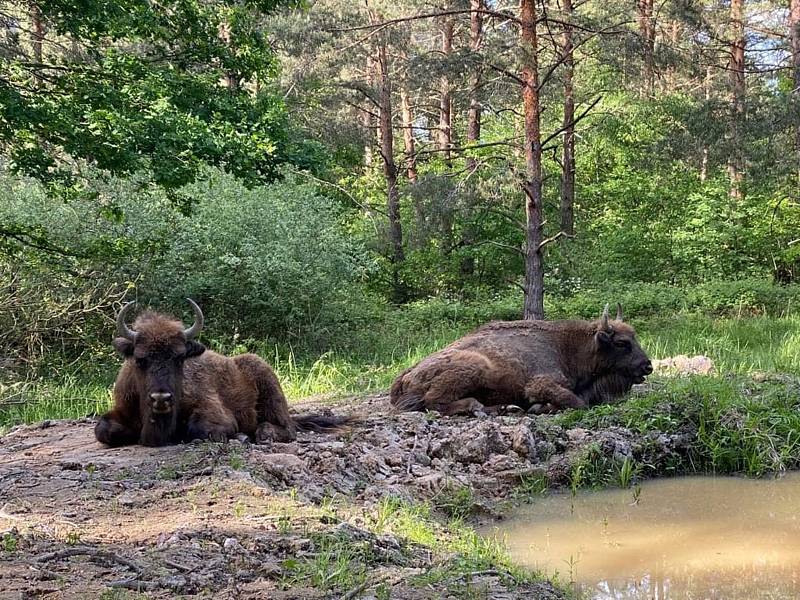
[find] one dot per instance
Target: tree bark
(794, 35)
(647, 31)
(568, 149)
(37, 39)
(231, 78)
(390, 171)
(534, 269)
(736, 161)
(445, 98)
(367, 118)
(474, 113)
(409, 144)
(707, 96)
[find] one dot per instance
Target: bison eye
(623, 344)
(142, 363)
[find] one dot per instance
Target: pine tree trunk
(534, 269)
(736, 72)
(707, 96)
(390, 171)
(647, 31)
(37, 40)
(474, 114)
(445, 98)
(409, 144)
(794, 35)
(568, 150)
(367, 118)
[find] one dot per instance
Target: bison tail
(322, 423)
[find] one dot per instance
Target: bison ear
(124, 346)
(194, 349)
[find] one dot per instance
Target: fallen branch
(93, 553)
(136, 584)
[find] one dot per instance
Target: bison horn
(195, 329)
(122, 329)
(619, 311)
(604, 318)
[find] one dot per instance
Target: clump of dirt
(233, 520)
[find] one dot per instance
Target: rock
(284, 466)
(231, 545)
(126, 499)
(684, 365)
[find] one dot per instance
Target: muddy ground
(79, 520)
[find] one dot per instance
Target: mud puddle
(682, 538)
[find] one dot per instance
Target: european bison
(171, 389)
(540, 366)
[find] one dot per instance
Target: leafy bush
(271, 261)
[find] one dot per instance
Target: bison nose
(648, 368)
(162, 396)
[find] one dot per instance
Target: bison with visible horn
(540, 366)
(171, 389)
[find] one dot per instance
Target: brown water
(686, 538)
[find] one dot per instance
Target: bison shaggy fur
(540, 366)
(171, 389)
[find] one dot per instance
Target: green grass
(742, 346)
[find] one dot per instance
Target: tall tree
(647, 33)
(532, 186)
(736, 161)
(445, 91)
(794, 36)
(568, 147)
(474, 114)
(389, 166)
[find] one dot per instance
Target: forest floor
(385, 510)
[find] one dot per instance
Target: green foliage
(742, 425)
(140, 89)
(281, 266)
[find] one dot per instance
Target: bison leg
(211, 421)
(274, 421)
(111, 431)
(549, 393)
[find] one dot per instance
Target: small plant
(236, 461)
(637, 494)
(73, 538)
(167, 472)
(9, 542)
(627, 471)
(531, 487)
(239, 509)
(456, 501)
(284, 525)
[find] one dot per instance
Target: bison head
(619, 352)
(156, 347)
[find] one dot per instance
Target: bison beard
(540, 366)
(171, 389)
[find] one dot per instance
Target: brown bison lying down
(171, 389)
(540, 366)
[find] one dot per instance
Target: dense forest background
(344, 177)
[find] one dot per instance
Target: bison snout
(647, 368)
(162, 402)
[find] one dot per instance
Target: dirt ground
(79, 520)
